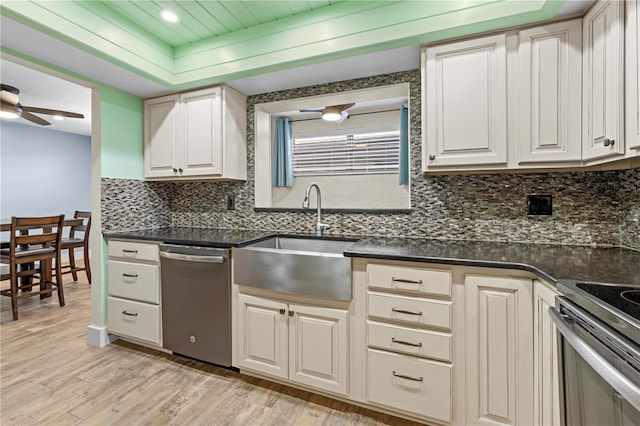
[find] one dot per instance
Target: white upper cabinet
(550, 99)
(465, 104)
(603, 81)
(196, 135)
(632, 72)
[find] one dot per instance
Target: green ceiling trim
(344, 29)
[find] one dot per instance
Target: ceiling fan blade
(343, 116)
(312, 110)
(344, 106)
(34, 118)
(53, 112)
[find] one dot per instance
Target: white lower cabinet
(133, 284)
(546, 396)
(409, 339)
(415, 385)
(302, 343)
(499, 350)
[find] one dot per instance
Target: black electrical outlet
(231, 202)
(539, 205)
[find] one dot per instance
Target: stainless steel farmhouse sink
(307, 266)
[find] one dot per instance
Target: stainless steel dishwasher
(196, 302)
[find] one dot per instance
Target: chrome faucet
(305, 205)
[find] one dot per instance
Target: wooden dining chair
(33, 239)
(78, 238)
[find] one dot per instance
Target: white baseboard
(99, 336)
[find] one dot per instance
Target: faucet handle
(321, 227)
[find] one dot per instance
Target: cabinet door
(499, 324)
(549, 116)
(632, 77)
(262, 335)
(161, 137)
(603, 79)
(546, 396)
(318, 347)
(201, 152)
(465, 97)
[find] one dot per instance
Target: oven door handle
(625, 387)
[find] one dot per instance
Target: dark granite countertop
(207, 237)
(551, 262)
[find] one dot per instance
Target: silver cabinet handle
(130, 275)
(402, 376)
(405, 281)
(192, 258)
(610, 374)
(135, 314)
(608, 142)
(402, 342)
(403, 311)
(129, 251)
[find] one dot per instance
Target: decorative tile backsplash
(588, 207)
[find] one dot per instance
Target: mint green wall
(121, 118)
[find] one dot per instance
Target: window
(363, 153)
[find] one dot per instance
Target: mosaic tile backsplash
(589, 208)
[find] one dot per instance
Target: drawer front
(129, 318)
(134, 281)
(413, 385)
(423, 343)
(419, 280)
(433, 313)
(133, 250)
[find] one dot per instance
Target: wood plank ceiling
(202, 20)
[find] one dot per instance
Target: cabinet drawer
(434, 313)
(413, 385)
(429, 281)
(129, 318)
(134, 281)
(424, 343)
(133, 250)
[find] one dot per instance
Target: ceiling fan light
(331, 113)
(10, 111)
(58, 117)
(169, 16)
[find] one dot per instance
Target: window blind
(363, 153)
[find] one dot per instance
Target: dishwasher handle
(192, 257)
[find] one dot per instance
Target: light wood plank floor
(48, 375)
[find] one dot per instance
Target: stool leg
(72, 263)
(59, 284)
(14, 290)
(87, 262)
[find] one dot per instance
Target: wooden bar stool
(33, 239)
(75, 241)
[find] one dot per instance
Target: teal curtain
(403, 161)
(282, 160)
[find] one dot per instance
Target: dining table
(47, 266)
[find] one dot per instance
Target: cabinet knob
(432, 157)
(291, 313)
(608, 141)
(175, 170)
(180, 170)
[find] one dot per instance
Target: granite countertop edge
(551, 263)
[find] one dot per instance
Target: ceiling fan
(337, 113)
(11, 107)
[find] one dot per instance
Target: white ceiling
(42, 90)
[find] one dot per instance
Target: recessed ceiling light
(169, 16)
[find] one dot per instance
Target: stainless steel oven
(600, 353)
